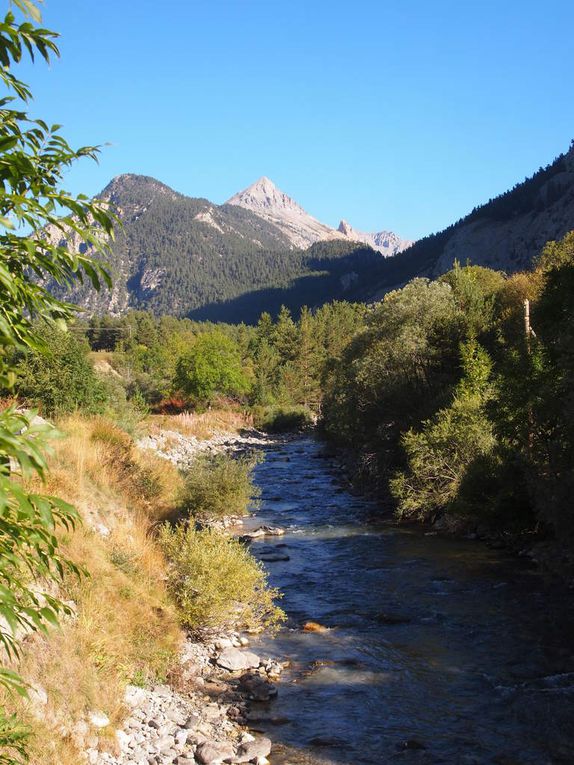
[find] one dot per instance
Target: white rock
(99, 719)
(134, 696)
(234, 660)
(123, 740)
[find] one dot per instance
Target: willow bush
(215, 582)
(219, 485)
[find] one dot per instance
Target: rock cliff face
(264, 199)
(385, 242)
(510, 242)
(507, 233)
(273, 205)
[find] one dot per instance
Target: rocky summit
(385, 242)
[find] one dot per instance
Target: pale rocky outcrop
(385, 242)
(266, 200)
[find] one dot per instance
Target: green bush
(60, 379)
(496, 491)
(282, 419)
(218, 486)
(215, 582)
(127, 412)
(213, 366)
(439, 455)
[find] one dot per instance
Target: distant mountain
(179, 255)
(273, 205)
(270, 203)
(190, 257)
(384, 242)
(506, 233)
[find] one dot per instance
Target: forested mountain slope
(176, 254)
(506, 233)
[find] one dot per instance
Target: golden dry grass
(126, 630)
(204, 425)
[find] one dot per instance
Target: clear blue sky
(401, 115)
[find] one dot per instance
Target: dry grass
(126, 629)
(205, 425)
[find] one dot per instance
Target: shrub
(215, 582)
(439, 455)
(212, 366)
(218, 486)
(496, 491)
(283, 419)
(127, 412)
(61, 379)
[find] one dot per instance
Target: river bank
(532, 544)
(200, 714)
(410, 628)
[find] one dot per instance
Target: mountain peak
(132, 183)
(269, 202)
(386, 242)
(264, 196)
(345, 228)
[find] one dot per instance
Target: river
(438, 650)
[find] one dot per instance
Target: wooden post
(528, 332)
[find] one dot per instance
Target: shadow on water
(437, 650)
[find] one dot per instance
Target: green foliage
(440, 454)
(60, 379)
(33, 160)
(475, 289)
(28, 544)
(282, 419)
(396, 372)
(495, 490)
(13, 740)
(219, 486)
(552, 403)
(212, 366)
(215, 582)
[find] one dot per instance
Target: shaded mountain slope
(506, 233)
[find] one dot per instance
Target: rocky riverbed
(182, 450)
(200, 716)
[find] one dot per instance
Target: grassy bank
(129, 611)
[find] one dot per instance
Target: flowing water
(439, 650)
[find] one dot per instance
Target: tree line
(459, 403)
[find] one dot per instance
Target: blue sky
(400, 115)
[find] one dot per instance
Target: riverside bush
(282, 419)
(439, 455)
(215, 582)
(219, 485)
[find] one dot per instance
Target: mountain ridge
(264, 198)
(506, 233)
(175, 254)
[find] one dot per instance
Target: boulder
(236, 660)
(214, 752)
(99, 719)
(274, 557)
(257, 687)
(252, 750)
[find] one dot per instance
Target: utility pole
(528, 333)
